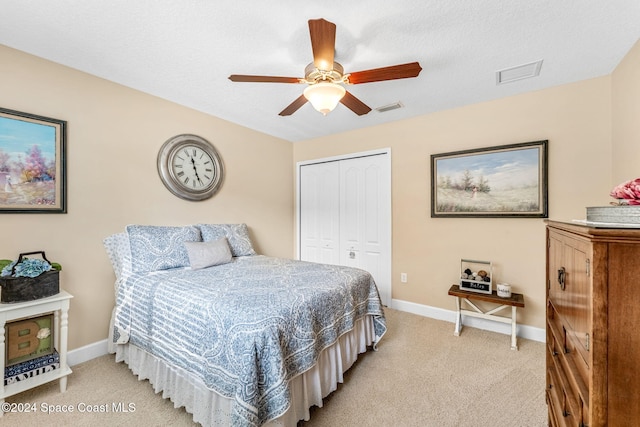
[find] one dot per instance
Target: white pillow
(207, 254)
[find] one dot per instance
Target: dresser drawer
(565, 401)
(560, 341)
(554, 413)
(556, 401)
(575, 359)
(566, 388)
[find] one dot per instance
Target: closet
(345, 214)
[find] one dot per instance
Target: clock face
(190, 167)
(193, 167)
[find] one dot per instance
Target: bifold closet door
(365, 217)
(320, 213)
(345, 216)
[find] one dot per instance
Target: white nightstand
(59, 305)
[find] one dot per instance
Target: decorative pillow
(119, 253)
(207, 254)
(236, 234)
(159, 247)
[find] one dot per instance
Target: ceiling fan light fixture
(326, 77)
(324, 96)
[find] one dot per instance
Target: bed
(236, 338)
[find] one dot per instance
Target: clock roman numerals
(190, 167)
(194, 167)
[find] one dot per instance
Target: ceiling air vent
(389, 107)
(519, 72)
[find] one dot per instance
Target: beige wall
(575, 118)
(114, 134)
(626, 118)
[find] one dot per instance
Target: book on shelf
(30, 368)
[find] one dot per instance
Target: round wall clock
(190, 167)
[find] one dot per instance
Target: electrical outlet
(403, 277)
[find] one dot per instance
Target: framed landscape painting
(32, 163)
(501, 181)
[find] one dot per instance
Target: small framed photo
(32, 163)
(501, 181)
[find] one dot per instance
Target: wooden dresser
(593, 325)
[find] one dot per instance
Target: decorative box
(476, 276)
(30, 368)
(614, 214)
(20, 289)
(28, 339)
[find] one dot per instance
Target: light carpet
(421, 375)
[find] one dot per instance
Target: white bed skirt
(211, 409)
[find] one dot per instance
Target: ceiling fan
(325, 77)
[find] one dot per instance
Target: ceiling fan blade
(323, 43)
(402, 71)
(294, 106)
(262, 79)
(354, 104)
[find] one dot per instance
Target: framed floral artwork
(32, 163)
(501, 181)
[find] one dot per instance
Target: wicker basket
(20, 289)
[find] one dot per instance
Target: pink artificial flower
(629, 190)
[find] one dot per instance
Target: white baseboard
(88, 352)
(523, 331)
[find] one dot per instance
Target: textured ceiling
(184, 51)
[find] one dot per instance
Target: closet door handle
(561, 277)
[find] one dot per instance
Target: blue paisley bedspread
(246, 328)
